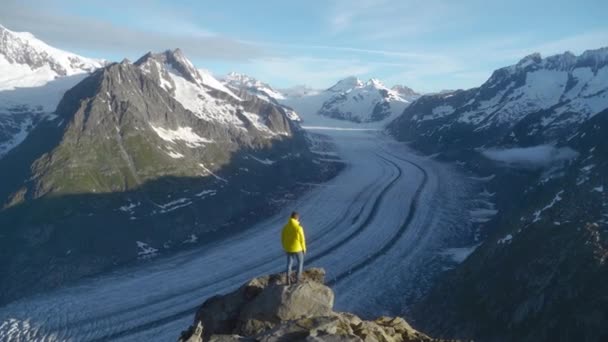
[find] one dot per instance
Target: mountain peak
(176, 60)
(405, 91)
(346, 84)
(530, 59)
(597, 55)
(376, 83)
(252, 85)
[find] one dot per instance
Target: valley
(383, 221)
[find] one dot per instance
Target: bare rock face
(266, 309)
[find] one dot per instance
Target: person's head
(295, 215)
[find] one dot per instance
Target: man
(294, 244)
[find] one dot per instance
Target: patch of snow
(588, 168)
(439, 112)
(506, 239)
(264, 161)
(208, 80)
(557, 198)
(211, 173)
(129, 207)
(599, 189)
(257, 122)
(145, 251)
(191, 239)
(458, 255)
(173, 205)
(175, 155)
(292, 115)
(185, 134)
(206, 193)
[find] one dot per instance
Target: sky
(428, 45)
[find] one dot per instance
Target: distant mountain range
(533, 101)
(349, 99)
(353, 100)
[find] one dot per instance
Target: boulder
(220, 314)
(280, 303)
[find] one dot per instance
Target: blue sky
(428, 45)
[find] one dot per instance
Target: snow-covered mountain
(26, 61)
(208, 98)
(255, 87)
(354, 100)
(405, 92)
(247, 87)
(535, 134)
(532, 101)
(33, 78)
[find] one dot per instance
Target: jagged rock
(220, 314)
(193, 334)
(283, 303)
(267, 310)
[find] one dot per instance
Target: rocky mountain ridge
(531, 102)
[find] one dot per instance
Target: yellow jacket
(293, 238)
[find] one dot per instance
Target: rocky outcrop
(266, 309)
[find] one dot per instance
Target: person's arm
(302, 238)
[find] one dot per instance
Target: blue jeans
(290, 259)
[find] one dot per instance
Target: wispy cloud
(392, 19)
(172, 30)
(427, 44)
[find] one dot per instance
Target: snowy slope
(26, 61)
(565, 83)
(353, 100)
(253, 86)
(33, 78)
(531, 102)
(200, 92)
(248, 86)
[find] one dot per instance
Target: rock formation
(266, 309)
